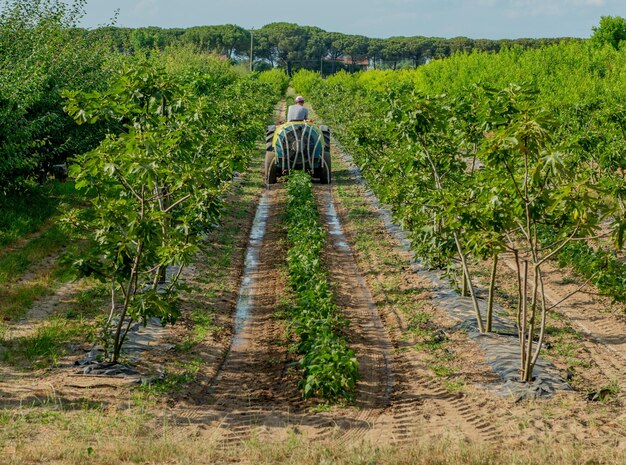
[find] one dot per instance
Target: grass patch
(563, 341)
(47, 344)
(15, 263)
(442, 371)
(25, 212)
(88, 303)
(453, 386)
(201, 325)
(181, 373)
(16, 300)
(111, 438)
(17, 297)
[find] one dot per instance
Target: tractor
(297, 145)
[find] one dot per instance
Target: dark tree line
(292, 47)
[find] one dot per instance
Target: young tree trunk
(544, 314)
(131, 289)
(118, 338)
(521, 318)
(492, 285)
(530, 333)
(464, 290)
(479, 319)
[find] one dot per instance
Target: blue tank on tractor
(298, 145)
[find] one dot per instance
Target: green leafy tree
(228, 40)
(286, 43)
(394, 50)
(335, 48)
(355, 47)
(541, 184)
(155, 187)
(611, 30)
(417, 49)
(41, 53)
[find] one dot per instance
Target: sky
(477, 19)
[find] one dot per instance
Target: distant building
(346, 61)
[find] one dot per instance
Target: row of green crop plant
(330, 368)
(478, 173)
(180, 127)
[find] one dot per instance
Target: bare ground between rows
(256, 392)
(419, 406)
(409, 405)
(212, 290)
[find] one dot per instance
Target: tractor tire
(325, 171)
(269, 137)
(271, 174)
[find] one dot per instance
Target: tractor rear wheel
(325, 170)
(270, 168)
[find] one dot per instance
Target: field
(456, 295)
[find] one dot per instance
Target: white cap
(299, 99)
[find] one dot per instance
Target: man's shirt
(297, 113)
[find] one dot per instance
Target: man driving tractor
(297, 112)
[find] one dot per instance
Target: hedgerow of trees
(294, 47)
(478, 168)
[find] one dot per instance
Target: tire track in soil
(422, 407)
(367, 335)
(604, 335)
(255, 394)
(252, 392)
(419, 405)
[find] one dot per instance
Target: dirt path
(367, 335)
(419, 406)
(250, 388)
(255, 392)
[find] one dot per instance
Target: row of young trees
(152, 143)
(157, 181)
(292, 46)
(491, 170)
